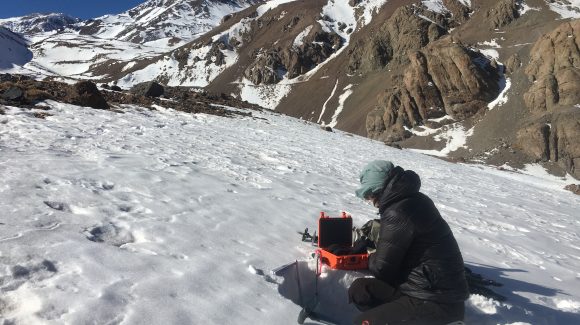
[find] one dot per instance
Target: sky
(76, 8)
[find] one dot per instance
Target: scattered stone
(148, 89)
(13, 94)
(574, 188)
(105, 86)
(326, 128)
(89, 95)
(41, 115)
(185, 99)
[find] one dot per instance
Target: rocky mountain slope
(94, 48)
(175, 21)
(485, 81)
(39, 23)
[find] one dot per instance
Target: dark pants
(382, 304)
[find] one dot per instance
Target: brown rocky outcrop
(554, 137)
(266, 69)
(269, 67)
(458, 10)
(444, 78)
(402, 33)
(503, 13)
(513, 63)
(554, 130)
(554, 68)
(26, 93)
(554, 90)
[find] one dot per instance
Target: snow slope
(155, 20)
(160, 217)
(13, 50)
(39, 23)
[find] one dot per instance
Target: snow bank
(162, 217)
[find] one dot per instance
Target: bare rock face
(554, 90)
(556, 141)
(513, 63)
(564, 140)
(402, 33)
(503, 13)
(555, 51)
(89, 95)
(270, 67)
(534, 139)
(458, 9)
(555, 69)
(266, 69)
(444, 78)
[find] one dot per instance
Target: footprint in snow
(59, 206)
(29, 272)
(110, 234)
(260, 272)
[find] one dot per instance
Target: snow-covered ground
(162, 217)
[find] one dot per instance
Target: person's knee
(358, 293)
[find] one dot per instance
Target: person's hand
(360, 245)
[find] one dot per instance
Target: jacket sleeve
(396, 235)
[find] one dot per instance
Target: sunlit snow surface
(566, 8)
(160, 217)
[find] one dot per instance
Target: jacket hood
(399, 184)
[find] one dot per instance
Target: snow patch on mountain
(327, 100)
(272, 4)
(195, 73)
(299, 40)
(370, 8)
(39, 23)
(341, 99)
(72, 55)
(467, 3)
(178, 20)
(566, 8)
(435, 6)
(454, 135)
(267, 96)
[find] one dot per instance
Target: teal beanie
(372, 177)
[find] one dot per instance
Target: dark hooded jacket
(416, 250)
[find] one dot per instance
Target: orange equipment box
(338, 231)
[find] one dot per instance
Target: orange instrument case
(333, 231)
